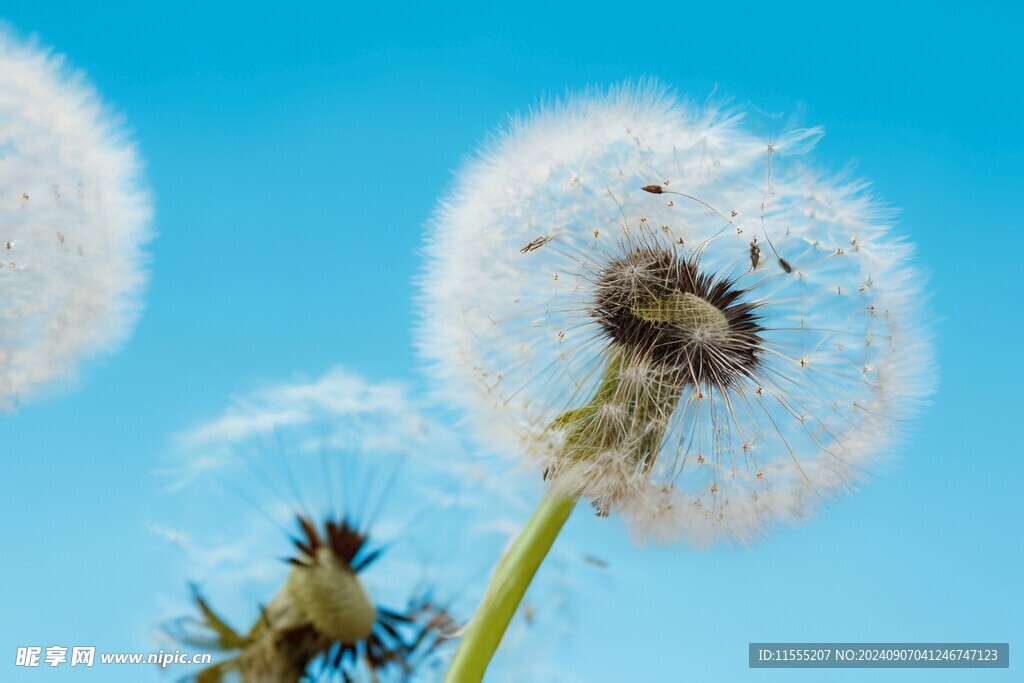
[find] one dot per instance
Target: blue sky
(295, 153)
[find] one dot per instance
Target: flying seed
(536, 244)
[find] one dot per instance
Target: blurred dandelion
(675, 317)
(73, 220)
(381, 529)
(322, 621)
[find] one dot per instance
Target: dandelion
(73, 220)
(371, 553)
(322, 621)
(677, 319)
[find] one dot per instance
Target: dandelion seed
(535, 244)
(58, 309)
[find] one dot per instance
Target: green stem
(508, 585)
(638, 422)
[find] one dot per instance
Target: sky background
(295, 152)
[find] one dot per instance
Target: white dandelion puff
(73, 220)
(360, 543)
(679, 319)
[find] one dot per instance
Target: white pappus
(74, 217)
(678, 319)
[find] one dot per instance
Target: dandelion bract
(73, 220)
(677, 318)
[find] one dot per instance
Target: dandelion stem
(508, 585)
(641, 399)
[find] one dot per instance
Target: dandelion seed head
(732, 338)
(338, 538)
(73, 220)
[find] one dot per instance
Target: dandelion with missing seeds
(677, 319)
(322, 621)
(353, 579)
